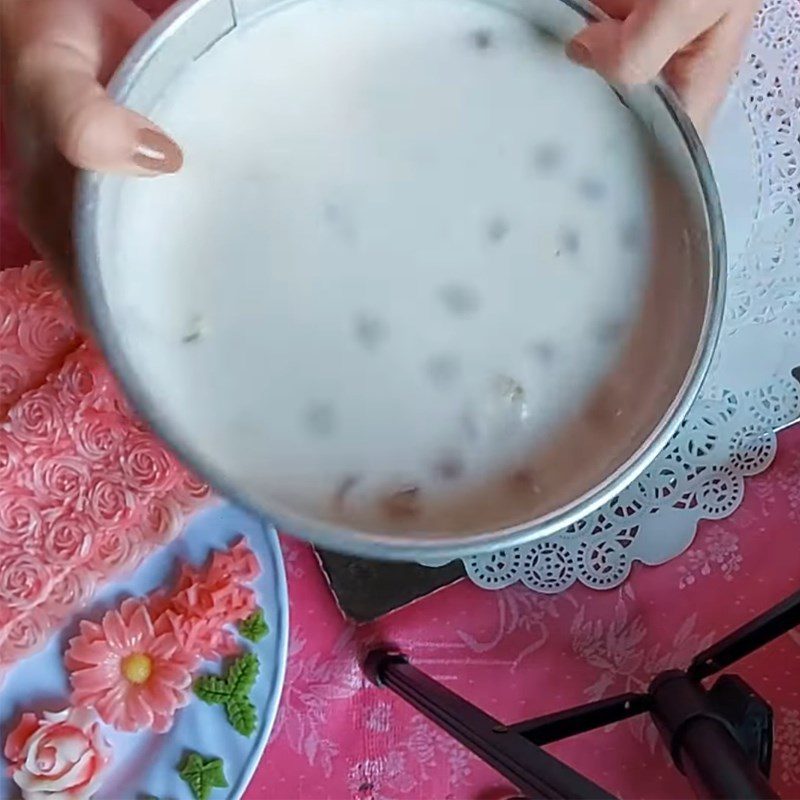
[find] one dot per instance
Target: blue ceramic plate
(144, 764)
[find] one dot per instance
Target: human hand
(697, 44)
(56, 57)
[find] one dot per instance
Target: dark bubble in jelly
(610, 330)
(370, 330)
(546, 157)
(631, 236)
(542, 351)
(592, 189)
(443, 369)
(497, 229)
(459, 300)
(481, 39)
(569, 242)
(341, 222)
(320, 419)
(469, 426)
(449, 467)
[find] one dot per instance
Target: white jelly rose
(60, 756)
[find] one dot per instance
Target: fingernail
(579, 53)
(156, 152)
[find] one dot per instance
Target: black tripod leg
(528, 767)
(762, 630)
(703, 743)
(588, 717)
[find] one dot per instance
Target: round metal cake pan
(662, 370)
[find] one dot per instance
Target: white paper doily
(750, 392)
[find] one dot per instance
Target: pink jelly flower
(24, 634)
(223, 600)
(13, 373)
(108, 503)
(238, 562)
(100, 433)
(133, 676)
(194, 487)
(46, 332)
(12, 454)
(24, 579)
(60, 479)
(162, 519)
(20, 517)
(118, 549)
(206, 600)
(35, 281)
(35, 419)
(204, 636)
(68, 539)
(70, 592)
(81, 380)
(146, 464)
(63, 754)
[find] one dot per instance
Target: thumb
(59, 82)
(599, 46)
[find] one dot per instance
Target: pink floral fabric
(85, 490)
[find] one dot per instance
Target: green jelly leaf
(255, 627)
(212, 690)
(233, 692)
(202, 775)
(215, 772)
(242, 715)
(242, 674)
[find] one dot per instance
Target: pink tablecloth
(518, 654)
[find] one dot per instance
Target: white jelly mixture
(405, 246)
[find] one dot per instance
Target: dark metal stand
(720, 738)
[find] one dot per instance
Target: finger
(618, 9)
(636, 49)
(128, 22)
(701, 74)
(55, 74)
(86, 126)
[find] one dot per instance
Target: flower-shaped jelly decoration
(61, 755)
(131, 675)
(206, 600)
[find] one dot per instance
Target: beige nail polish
(156, 152)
